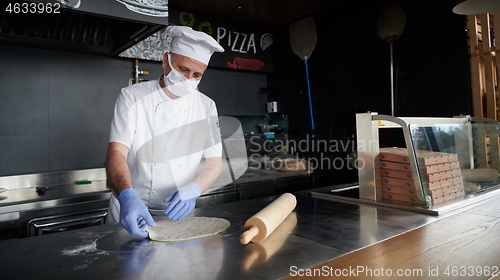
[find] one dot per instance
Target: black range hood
(103, 27)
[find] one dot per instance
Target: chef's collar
(163, 94)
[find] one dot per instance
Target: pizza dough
(469, 186)
(187, 228)
(480, 174)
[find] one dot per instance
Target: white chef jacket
(167, 139)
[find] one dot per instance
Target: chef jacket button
(153, 191)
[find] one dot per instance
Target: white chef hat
(194, 44)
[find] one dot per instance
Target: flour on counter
(85, 264)
(84, 249)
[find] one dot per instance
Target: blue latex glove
(182, 201)
(134, 215)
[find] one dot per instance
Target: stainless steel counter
(323, 230)
(46, 190)
(28, 198)
(26, 212)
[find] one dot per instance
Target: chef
(159, 134)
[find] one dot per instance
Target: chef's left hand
(182, 201)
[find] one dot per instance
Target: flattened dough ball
(480, 175)
(469, 186)
(187, 228)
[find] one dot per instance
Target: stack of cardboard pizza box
(440, 173)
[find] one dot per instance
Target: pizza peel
(303, 40)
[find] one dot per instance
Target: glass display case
(439, 165)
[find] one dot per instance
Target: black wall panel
(236, 93)
(56, 107)
(350, 72)
(432, 61)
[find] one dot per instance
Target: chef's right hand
(134, 215)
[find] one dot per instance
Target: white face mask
(177, 84)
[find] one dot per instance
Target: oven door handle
(60, 224)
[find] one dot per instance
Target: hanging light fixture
(473, 7)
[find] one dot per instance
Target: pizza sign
(246, 47)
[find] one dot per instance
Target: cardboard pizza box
(428, 185)
(425, 177)
(413, 199)
(433, 193)
(426, 169)
(423, 157)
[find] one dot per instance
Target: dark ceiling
(71, 30)
(268, 13)
(77, 31)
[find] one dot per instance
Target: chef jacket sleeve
(213, 146)
(123, 125)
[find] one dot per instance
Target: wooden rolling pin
(258, 253)
(260, 225)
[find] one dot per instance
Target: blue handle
(309, 94)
